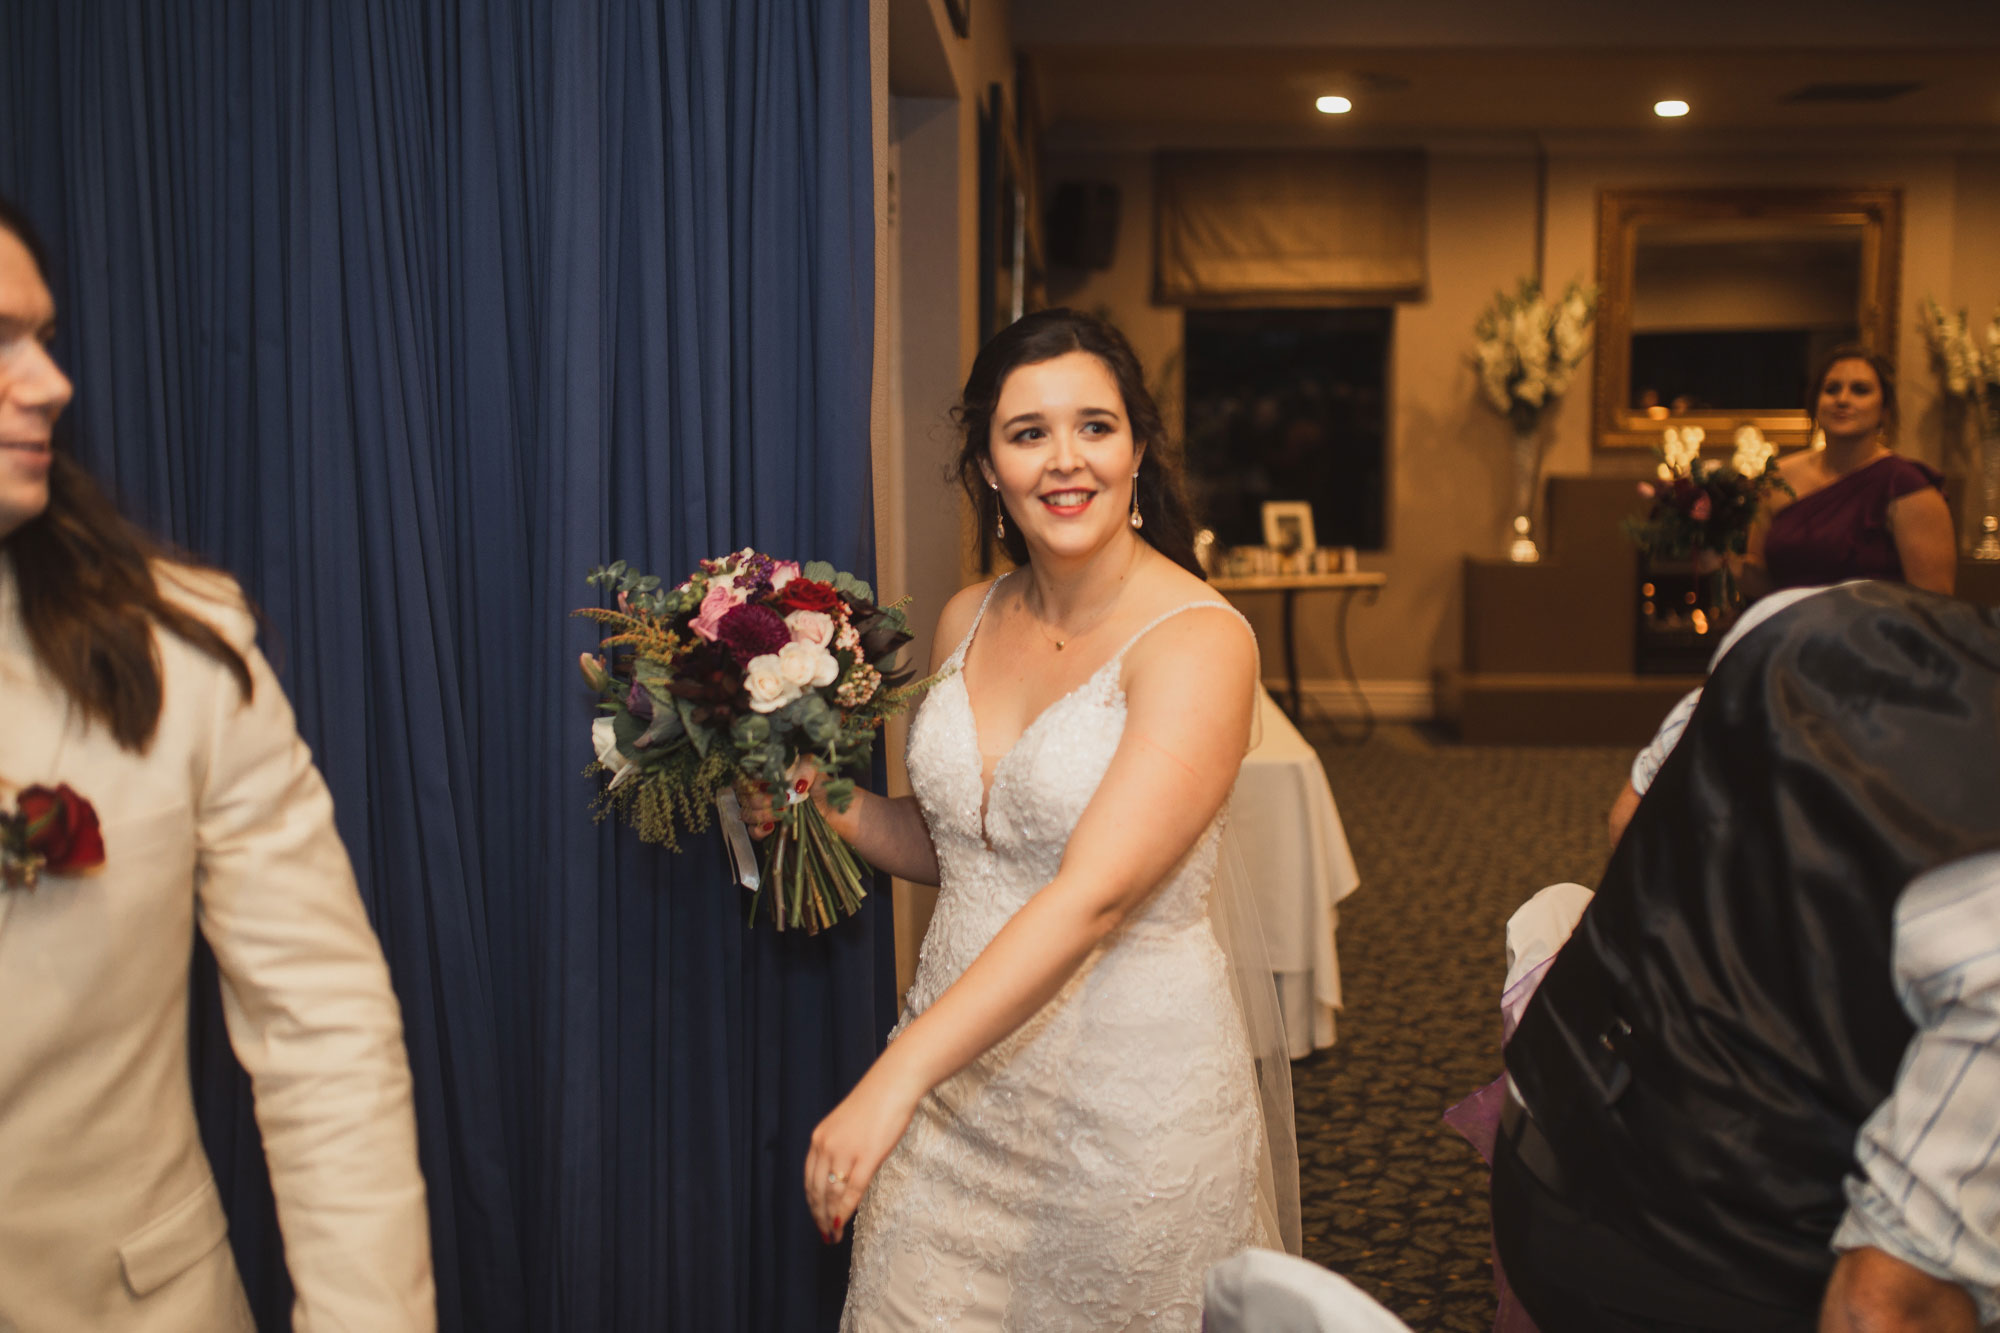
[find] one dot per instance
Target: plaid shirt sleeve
(1928, 1186)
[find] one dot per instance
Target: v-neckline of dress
(986, 787)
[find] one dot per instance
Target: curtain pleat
(407, 312)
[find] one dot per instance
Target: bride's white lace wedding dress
(1086, 1171)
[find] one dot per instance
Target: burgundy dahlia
(751, 631)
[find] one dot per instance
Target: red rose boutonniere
(50, 829)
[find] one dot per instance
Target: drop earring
(999, 513)
(1137, 520)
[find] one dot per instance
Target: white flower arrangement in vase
(1968, 363)
(1968, 367)
(1526, 349)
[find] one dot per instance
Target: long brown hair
(88, 596)
(1044, 336)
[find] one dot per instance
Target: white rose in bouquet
(807, 665)
(769, 687)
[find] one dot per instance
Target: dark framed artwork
(1009, 250)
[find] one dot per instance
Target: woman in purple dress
(1859, 510)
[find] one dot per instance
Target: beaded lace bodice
(1084, 1171)
(1038, 793)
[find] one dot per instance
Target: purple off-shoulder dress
(1841, 531)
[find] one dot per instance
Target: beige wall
(1449, 467)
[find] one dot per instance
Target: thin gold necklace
(1064, 641)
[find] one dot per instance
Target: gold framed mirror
(1714, 304)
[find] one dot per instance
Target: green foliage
(642, 591)
(672, 796)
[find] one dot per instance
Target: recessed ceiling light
(1334, 106)
(1670, 107)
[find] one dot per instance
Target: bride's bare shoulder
(1168, 585)
(956, 619)
(1196, 628)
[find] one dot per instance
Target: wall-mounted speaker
(1083, 224)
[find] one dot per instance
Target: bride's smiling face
(1063, 456)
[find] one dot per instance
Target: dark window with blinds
(1289, 405)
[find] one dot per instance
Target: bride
(1065, 1130)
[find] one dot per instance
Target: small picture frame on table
(1288, 527)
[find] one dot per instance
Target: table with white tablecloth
(1295, 855)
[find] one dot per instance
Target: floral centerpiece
(1526, 349)
(752, 671)
(1703, 509)
(1968, 365)
(1968, 362)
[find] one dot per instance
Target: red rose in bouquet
(804, 594)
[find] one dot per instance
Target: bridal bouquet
(1967, 361)
(1705, 507)
(1528, 348)
(743, 673)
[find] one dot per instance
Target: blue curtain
(408, 312)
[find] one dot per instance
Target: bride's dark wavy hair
(1044, 336)
(88, 596)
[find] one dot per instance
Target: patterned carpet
(1449, 840)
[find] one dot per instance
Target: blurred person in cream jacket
(134, 680)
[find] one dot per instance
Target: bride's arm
(888, 832)
(1189, 697)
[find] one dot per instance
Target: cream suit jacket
(110, 1221)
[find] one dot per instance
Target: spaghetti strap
(1161, 619)
(957, 657)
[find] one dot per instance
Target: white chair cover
(1262, 1291)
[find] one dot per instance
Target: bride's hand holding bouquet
(752, 674)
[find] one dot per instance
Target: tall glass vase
(1987, 546)
(1720, 598)
(1527, 486)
